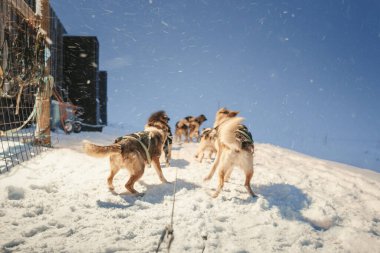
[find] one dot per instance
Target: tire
(68, 127)
(77, 127)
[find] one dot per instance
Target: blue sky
(305, 74)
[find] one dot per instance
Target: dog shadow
(290, 201)
(111, 205)
(155, 193)
(180, 163)
(177, 148)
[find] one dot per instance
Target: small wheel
(68, 127)
(77, 127)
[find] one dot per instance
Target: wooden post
(42, 134)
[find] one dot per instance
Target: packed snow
(59, 202)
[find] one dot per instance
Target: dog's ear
(202, 117)
(233, 113)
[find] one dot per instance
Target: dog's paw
(164, 181)
(206, 179)
(113, 192)
(254, 195)
(215, 194)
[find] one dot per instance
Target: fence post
(45, 90)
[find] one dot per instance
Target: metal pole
(43, 97)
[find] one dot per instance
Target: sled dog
(161, 120)
(182, 128)
(207, 143)
(189, 128)
(194, 127)
(235, 148)
(133, 152)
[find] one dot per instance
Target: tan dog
(182, 128)
(133, 152)
(194, 126)
(189, 128)
(234, 148)
(207, 143)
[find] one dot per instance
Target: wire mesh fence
(17, 131)
(22, 73)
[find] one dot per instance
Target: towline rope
(168, 232)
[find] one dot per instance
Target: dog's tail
(100, 151)
(227, 133)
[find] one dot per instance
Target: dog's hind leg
(214, 166)
(115, 167)
(157, 167)
(170, 151)
(202, 154)
(228, 175)
(248, 177)
(176, 137)
(210, 154)
(222, 174)
(246, 164)
(131, 182)
(168, 154)
(136, 171)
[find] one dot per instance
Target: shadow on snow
(290, 200)
(179, 163)
(155, 193)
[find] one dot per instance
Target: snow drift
(59, 202)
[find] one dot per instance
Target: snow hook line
(168, 232)
(204, 237)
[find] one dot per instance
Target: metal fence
(17, 132)
(22, 69)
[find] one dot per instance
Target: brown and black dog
(161, 120)
(189, 128)
(235, 148)
(182, 128)
(134, 151)
(194, 127)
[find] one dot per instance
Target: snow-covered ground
(59, 202)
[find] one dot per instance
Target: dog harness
(138, 137)
(206, 132)
(242, 135)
